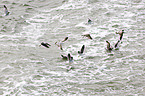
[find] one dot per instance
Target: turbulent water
(28, 69)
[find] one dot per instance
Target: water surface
(30, 70)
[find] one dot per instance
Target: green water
(30, 70)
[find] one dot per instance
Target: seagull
(82, 50)
(45, 45)
(120, 33)
(65, 39)
(61, 43)
(70, 58)
(6, 11)
(116, 45)
(89, 21)
(88, 35)
(64, 57)
(108, 46)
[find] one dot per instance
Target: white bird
(6, 11)
(61, 43)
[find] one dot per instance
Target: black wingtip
(79, 52)
(66, 38)
(117, 43)
(69, 57)
(91, 38)
(82, 49)
(62, 56)
(83, 46)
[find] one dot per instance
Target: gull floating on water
(108, 46)
(116, 45)
(65, 39)
(82, 50)
(120, 33)
(6, 11)
(89, 21)
(70, 58)
(61, 43)
(88, 35)
(64, 57)
(45, 45)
